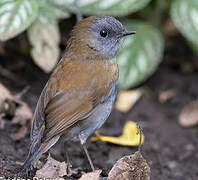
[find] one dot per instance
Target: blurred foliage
(103, 7)
(140, 54)
(16, 16)
(185, 16)
(45, 38)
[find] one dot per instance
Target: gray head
(104, 35)
(108, 35)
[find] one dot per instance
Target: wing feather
(60, 116)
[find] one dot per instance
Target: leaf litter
(14, 109)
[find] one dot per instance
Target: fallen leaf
(23, 116)
(127, 99)
(23, 113)
(13, 106)
(52, 169)
(130, 136)
(7, 104)
(95, 175)
(164, 96)
(189, 115)
(132, 167)
(5, 93)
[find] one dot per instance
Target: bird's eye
(103, 33)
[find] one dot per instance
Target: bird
(80, 93)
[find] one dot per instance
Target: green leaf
(140, 54)
(185, 16)
(16, 16)
(104, 7)
(51, 10)
(45, 38)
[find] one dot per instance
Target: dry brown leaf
(4, 93)
(189, 115)
(52, 169)
(20, 112)
(95, 175)
(127, 99)
(23, 113)
(132, 167)
(23, 116)
(5, 98)
(164, 96)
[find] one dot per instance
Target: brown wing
(71, 94)
(38, 122)
(63, 111)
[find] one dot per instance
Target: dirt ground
(170, 150)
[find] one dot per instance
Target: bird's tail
(34, 154)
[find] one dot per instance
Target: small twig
(24, 91)
(78, 11)
(139, 132)
(4, 72)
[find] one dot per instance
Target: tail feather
(35, 152)
(31, 159)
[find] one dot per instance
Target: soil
(170, 150)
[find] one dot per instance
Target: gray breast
(97, 118)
